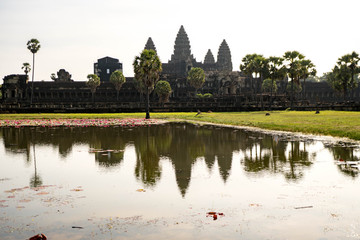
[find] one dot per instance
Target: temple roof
(209, 58)
(150, 45)
(182, 50)
(224, 57)
(108, 59)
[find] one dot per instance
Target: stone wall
(231, 92)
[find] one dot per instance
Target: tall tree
(293, 68)
(352, 63)
(93, 82)
(26, 67)
(260, 71)
(307, 69)
(340, 79)
(196, 78)
(254, 65)
(347, 67)
(33, 45)
(147, 67)
(275, 71)
(117, 78)
(248, 67)
(163, 90)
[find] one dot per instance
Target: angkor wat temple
(231, 90)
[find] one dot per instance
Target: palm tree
(196, 78)
(33, 45)
(340, 79)
(27, 68)
(147, 67)
(254, 66)
(248, 67)
(93, 82)
(293, 68)
(307, 69)
(260, 70)
(275, 71)
(350, 63)
(117, 78)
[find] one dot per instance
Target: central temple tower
(182, 49)
(182, 60)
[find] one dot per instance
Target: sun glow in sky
(75, 33)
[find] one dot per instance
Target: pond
(175, 181)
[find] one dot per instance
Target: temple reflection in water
(183, 144)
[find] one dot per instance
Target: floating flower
(78, 122)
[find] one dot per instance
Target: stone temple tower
(224, 62)
(209, 58)
(150, 45)
(182, 51)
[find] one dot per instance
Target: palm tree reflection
(147, 159)
(36, 180)
(344, 153)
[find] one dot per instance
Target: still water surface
(160, 181)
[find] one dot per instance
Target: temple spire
(182, 50)
(209, 58)
(150, 45)
(224, 62)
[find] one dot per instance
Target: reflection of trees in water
(112, 139)
(147, 157)
(346, 154)
(17, 140)
(298, 159)
(269, 153)
(20, 139)
(181, 143)
(36, 180)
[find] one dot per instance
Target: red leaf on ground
(42, 193)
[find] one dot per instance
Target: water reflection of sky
(185, 170)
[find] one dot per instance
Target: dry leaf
(42, 193)
(77, 190)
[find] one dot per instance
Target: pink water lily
(77, 122)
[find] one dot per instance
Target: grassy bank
(334, 123)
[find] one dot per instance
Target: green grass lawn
(334, 123)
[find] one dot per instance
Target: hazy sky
(75, 33)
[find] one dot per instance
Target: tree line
(293, 67)
(264, 74)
